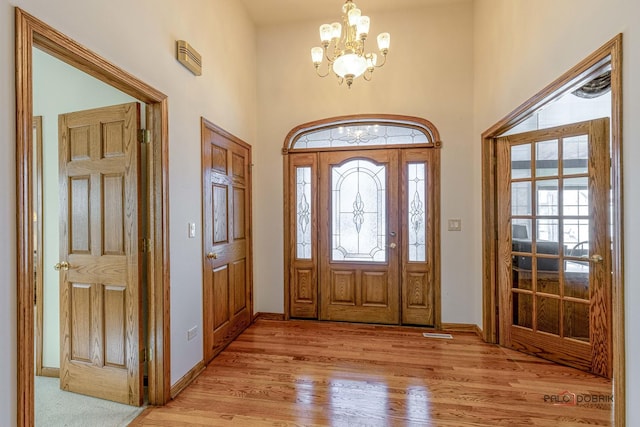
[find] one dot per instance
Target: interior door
(226, 238)
(554, 244)
(359, 236)
(100, 272)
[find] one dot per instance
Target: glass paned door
(359, 229)
(555, 281)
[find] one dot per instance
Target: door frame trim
(612, 48)
(31, 32)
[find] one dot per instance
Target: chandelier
(343, 45)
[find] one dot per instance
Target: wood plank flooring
(304, 373)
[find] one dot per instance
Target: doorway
(31, 33)
(583, 79)
(362, 209)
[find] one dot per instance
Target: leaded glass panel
(358, 211)
(416, 210)
(363, 134)
(303, 212)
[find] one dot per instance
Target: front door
(100, 263)
(226, 238)
(377, 212)
(554, 244)
(359, 237)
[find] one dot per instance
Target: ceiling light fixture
(347, 57)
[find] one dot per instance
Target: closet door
(226, 238)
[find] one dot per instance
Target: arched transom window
(358, 132)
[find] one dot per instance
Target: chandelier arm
(329, 59)
(320, 74)
(384, 61)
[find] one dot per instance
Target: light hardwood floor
(304, 373)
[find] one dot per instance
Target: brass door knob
(392, 245)
(212, 255)
(64, 265)
(596, 258)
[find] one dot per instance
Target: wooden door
(100, 287)
(359, 233)
(227, 278)
(554, 244)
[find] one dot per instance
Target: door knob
(211, 255)
(64, 265)
(596, 258)
(392, 245)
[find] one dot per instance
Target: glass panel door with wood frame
(359, 237)
(554, 243)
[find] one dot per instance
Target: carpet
(58, 408)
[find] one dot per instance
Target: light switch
(192, 230)
(455, 225)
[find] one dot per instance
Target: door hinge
(146, 355)
(146, 245)
(144, 136)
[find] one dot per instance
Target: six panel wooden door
(226, 238)
(554, 244)
(99, 247)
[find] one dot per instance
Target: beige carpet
(57, 408)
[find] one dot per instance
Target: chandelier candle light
(347, 56)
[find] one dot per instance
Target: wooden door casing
(595, 354)
(227, 266)
(100, 298)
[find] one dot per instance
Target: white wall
(141, 41)
(57, 89)
(428, 74)
(520, 47)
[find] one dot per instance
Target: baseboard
(50, 372)
(186, 379)
(462, 327)
(268, 316)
